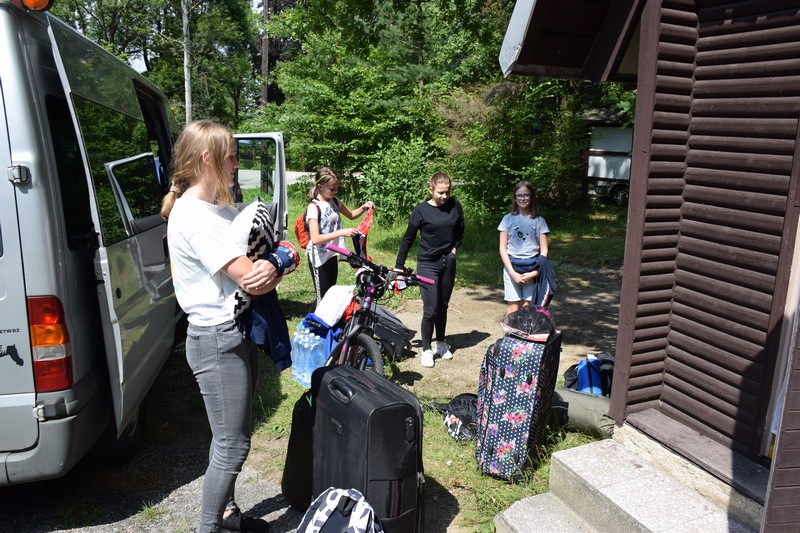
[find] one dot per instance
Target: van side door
(262, 161)
(122, 127)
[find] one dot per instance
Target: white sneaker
(443, 350)
(427, 359)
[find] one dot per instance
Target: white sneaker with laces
(443, 350)
(427, 359)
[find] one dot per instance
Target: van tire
(112, 450)
(619, 195)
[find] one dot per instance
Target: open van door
(262, 161)
(120, 126)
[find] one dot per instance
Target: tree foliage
(389, 89)
(224, 34)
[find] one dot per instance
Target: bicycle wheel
(364, 353)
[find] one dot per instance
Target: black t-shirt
(440, 228)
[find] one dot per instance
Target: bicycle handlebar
(423, 279)
(338, 249)
(350, 256)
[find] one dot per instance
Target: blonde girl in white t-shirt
(207, 268)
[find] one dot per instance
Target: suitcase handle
(341, 390)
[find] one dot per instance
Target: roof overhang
(597, 40)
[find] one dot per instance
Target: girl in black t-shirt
(440, 223)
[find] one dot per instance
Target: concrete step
(543, 513)
(612, 489)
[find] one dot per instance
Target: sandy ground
(586, 309)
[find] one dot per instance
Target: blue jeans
(225, 365)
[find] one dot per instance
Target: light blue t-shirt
(523, 234)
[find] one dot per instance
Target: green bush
(396, 178)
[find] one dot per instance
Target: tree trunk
(265, 56)
(187, 73)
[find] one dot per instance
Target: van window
(111, 136)
(71, 177)
(138, 184)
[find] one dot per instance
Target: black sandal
(237, 521)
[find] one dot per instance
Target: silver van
(87, 309)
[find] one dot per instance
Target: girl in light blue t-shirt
(523, 237)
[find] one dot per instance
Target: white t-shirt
(523, 234)
(200, 244)
(330, 221)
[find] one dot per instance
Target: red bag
(301, 227)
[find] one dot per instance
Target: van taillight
(52, 359)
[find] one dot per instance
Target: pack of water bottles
(308, 353)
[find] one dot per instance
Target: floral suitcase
(515, 390)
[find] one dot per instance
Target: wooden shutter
(724, 131)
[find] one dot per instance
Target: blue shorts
(514, 292)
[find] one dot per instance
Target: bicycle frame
(359, 332)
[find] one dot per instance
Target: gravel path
(158, 491)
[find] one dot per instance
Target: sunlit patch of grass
(150, 512)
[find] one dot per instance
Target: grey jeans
(225, 365)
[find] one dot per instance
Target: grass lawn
(593, 237)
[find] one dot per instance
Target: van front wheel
(110, 449)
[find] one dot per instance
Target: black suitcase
(297, 470)
(368, 436)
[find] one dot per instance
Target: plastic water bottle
(301, 365)
(297, 357)
(317, 358)
(589, 379)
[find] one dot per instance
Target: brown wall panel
(715, 321)
(762, 128)
(668, 152)
(671, 136)
(778, 107)
(672, 103)
(657, 296)
(723, 143)
(732, 369)
(711, 250)
(644, 396)
(727, 349)
(730, 44)
(652, 369)
(708, 293)
(645, 381)
(644, 358)
(689, 418)
(673, 85)
(648, 345)
(743, 277)
(652, 321)
(779, 63)
(784, 86)
(740, 161)
(696, 384)
(761, 221)
(748, 241)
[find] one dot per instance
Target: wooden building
(709, 333)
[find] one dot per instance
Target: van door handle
(166, 247)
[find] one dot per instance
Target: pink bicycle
(358, 346)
